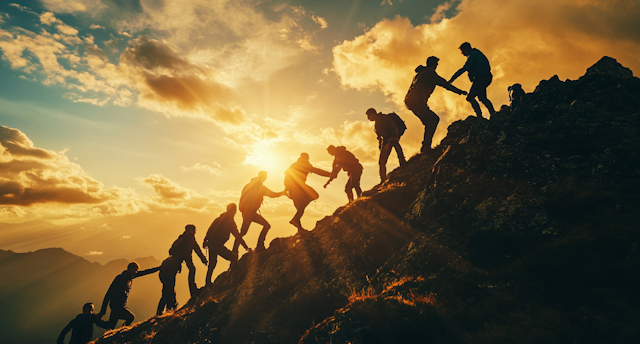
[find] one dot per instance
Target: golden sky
(125, 121)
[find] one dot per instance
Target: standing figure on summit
(479, 72)
(182, 248)
(388, 131)
(345, 160)
(295, 178)
(250, 202)
(424, 83)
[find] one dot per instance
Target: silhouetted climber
(217, 235)
(479, 72)
(168, 271)
(416, 99)
(388, 131)
(295, 178)
(345, 160)
(82, 326)
(118, 294)
(516, 93)
(182, 248)
(250, 201)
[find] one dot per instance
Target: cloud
(31, 175)
(174, 196)
(95, 253)
(70, 6)
(524, 41)
(37, 183)
(321, 21)
(203, 167)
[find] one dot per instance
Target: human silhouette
(479, 72)
(388, 137)
(218, 234)
(250, 201)
(424, 83)
(516, 93)
(118, 294)
(82, 326)
(168, 271)
(182, 248)
(295, 178)
(345, 160)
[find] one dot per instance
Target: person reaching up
(345, 160)
(118, 294)
(295, 178)
(82, 326)
(218, 234)
(388, 131)
(479, 72)
(424, 83)
(182, 248)
(250, 201)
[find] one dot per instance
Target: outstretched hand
(205, 262)
(100, 315)
(327, 184)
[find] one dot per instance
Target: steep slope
(523, 230)
(41, 291)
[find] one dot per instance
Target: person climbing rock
(423, 85)
(250, 201)
(217, 235)
(82, 326)
(118, 294)
(295, 178)
(182, 249)
(168, 271)
(345, 160)
(388, 131)
(479, 71)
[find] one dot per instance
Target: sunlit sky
(123, 121)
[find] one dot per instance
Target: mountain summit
(523, 229)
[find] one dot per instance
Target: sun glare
(267, 160)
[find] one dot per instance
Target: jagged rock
(523, 229)
(609, 66)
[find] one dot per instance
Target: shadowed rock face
(523, 230)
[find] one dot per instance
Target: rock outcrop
(523, 230)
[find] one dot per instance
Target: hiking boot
(260, 248)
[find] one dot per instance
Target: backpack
(180, 246)
(516, 93)
(213, 234)
(399, 123)
(251, 197)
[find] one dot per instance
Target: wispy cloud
(204, 168)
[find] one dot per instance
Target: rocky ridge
(523, 230)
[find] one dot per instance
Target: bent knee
(471, 98)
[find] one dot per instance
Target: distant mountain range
(41, 291)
